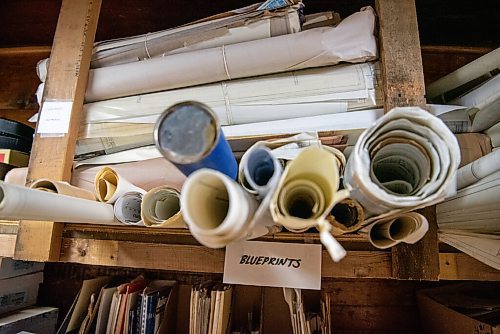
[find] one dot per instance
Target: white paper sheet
(478, 169)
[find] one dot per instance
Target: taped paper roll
(259, 170)
(346, 216)
(478, 169)
(216, 208)
(161, 208)
(407, 227)
(127, 208)
(20, 203)
(109, 185)
(62, 188)
(407, 159)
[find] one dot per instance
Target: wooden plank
(459, 266)
(7, 245)
(403, 85)
(358, 264)
(67, 79)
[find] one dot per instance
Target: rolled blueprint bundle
(20, 203)
(216, 209)
(478, 169)
(188, 134)
(407, 159)
(161, 208)
(351, 41)
(109, 185)
(346, 216)
(307, 192)
(259, 170)
(407, 227)
(127, 208)
(62, 188)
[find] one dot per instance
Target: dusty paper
(407, 227)
(161, 208)
(407, 159)
(109, 185)
(20, 203)
(351, 41)
(216, 209)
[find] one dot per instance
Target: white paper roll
(161, 208)
(109, 185)
(407, 227)
(127, 208)
(478, 169)
(20, 203)
(216, 209)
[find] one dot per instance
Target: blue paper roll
(189, 135)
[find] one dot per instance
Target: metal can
(188, 134)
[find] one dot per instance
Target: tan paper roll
(161, 208)
(346, 216)
(109, 185)
(62, 188)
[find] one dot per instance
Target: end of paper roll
(334, 248)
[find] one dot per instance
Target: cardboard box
(19, 292)
(12, 268)
(439, 308)
(40, 320)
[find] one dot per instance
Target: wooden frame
(176, 250)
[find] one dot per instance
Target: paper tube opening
(127, 208)
(45, 185)
(260, 168)
(345, 214)
(166, 207)
(208, 204)
(301, 201)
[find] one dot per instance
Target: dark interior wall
(441, 22)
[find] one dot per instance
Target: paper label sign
(273, 264)
(54, 118)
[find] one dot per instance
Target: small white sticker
(54, 118)
(273, 264)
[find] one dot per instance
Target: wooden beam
(404, 86)
(459, 266)
(52, 157)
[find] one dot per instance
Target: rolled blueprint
(127, 208)
(346, 216)
(407, 227)
(478, 169)
(352, 40)
(259, 170)
(407, 159)
(161, 208)
(20, 203)
(62, 188)
(307, 192)
(216, 209)
(109, 185)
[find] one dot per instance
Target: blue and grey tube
(189, 135)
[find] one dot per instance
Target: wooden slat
(67, 79)
(459, 266)
(7, 245)
(404, 86)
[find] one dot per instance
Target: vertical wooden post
(52, 157)
(404, 86)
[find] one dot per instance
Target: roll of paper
(127, 208)
(216, 209)
(408, 159)
(20, 203)
(62, 188)
(161, 208)
(109, 185)
(407, 227)
(478, 169)
(346, 216)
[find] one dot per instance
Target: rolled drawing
(259, 170)
(478, 169)
(127, 208)
(307, 192)
(161, 208)
(346, 216)
(62, 188)
(109, 185)
(216, 209)
(21, 203)
(407, 227)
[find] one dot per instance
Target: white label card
(54, 117)
(273, 264)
